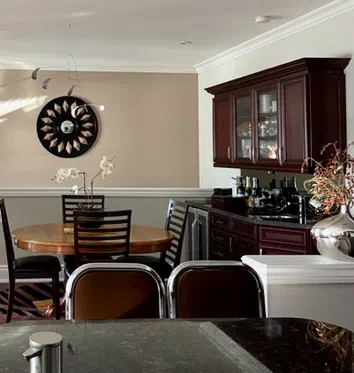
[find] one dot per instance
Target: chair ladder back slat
(177, 213)
(69, 201)
(103, 229)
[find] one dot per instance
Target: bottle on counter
(255, 187)
(248, 189)
(286, 191)
(234, 186)
(240, 188)
(254, 199)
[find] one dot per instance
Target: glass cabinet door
(268, 125)
(243, 119)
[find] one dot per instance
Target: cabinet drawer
(241, 246)
(220, 221)
(218, 252)
(246, 229)
(294, 250)
(221, 239)
(284, 236)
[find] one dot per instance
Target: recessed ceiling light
(185, 42)
(82, 14)
(262, 19)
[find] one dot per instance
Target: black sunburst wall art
(67, 127)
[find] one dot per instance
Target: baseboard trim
(110, 192)
(4, 276)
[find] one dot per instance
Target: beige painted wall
(150, 124)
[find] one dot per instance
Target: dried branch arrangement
(332, 184)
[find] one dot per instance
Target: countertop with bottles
(280, 207)
(288, 220)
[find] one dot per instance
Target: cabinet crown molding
(303, 65)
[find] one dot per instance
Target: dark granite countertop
(202, 204)
(146, 346)
(303, 224)
(205, 204)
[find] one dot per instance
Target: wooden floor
(27, 299)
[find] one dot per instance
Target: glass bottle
(240, 188)
(248, 190)
(255, 186)
(255, 200)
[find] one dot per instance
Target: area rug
(25, 295)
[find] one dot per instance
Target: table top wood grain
(52, 239)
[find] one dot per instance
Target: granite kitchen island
(146, 346)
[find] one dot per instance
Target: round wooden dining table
(59, 239)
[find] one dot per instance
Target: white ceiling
(133, 33)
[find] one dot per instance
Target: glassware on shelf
(246, 148)
(268, 124)
(243, 126)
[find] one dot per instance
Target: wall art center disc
(67, 127)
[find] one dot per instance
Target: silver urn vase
(335, 236)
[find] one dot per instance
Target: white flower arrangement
(106, 169)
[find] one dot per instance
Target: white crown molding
(4, 276)
(110, 192)
(319, 15)
(300, 269)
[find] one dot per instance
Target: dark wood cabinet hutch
(274, 119)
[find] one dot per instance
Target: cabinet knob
(229, 152)
(260, 252)
(230, 244)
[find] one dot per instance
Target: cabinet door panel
(243, 127)
(293, 118)
(222, 129)
(267, 129)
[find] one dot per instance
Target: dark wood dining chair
(69, 205)
(70, 202)
(114, 291)
(215, 289)
(100, 235)
(176, 220)
(30, 267)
